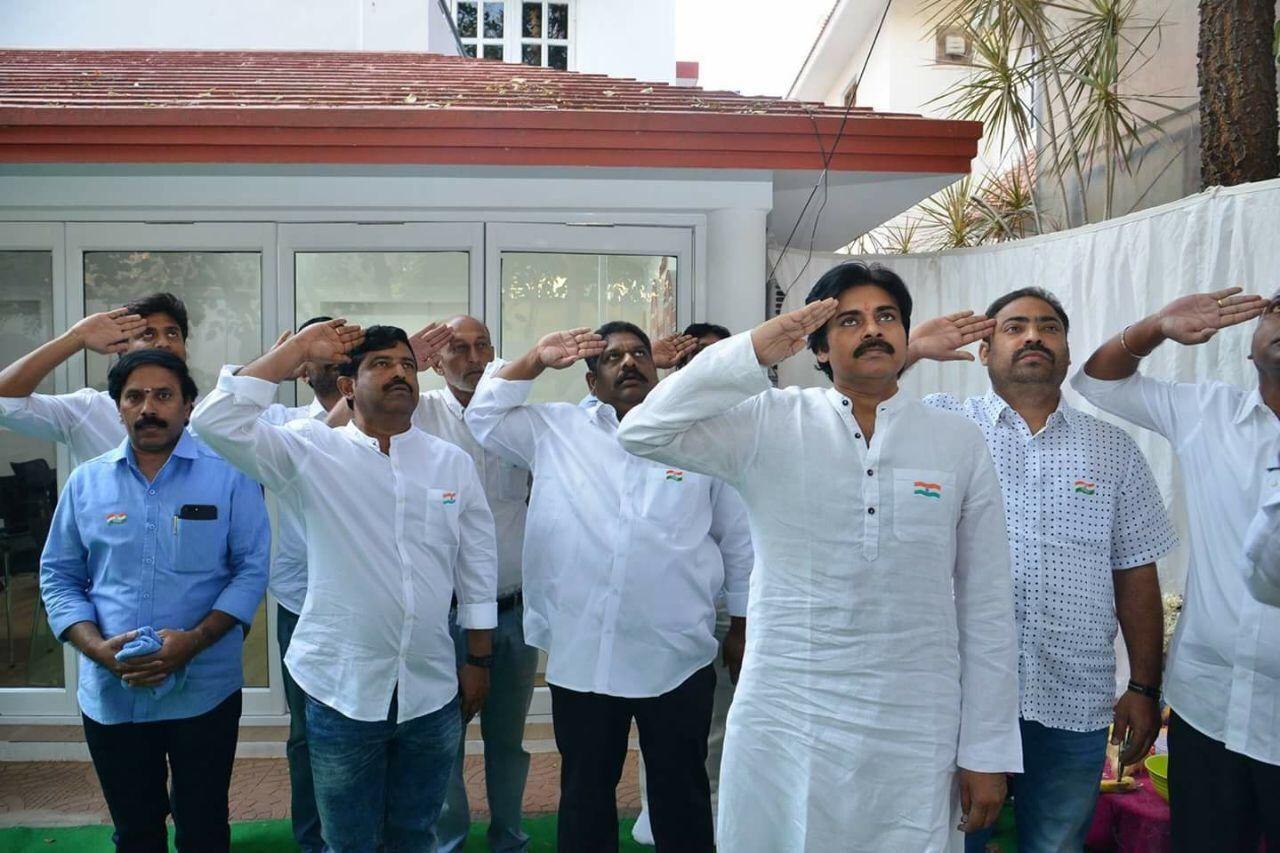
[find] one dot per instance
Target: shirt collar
(1251, 402)
(356, 435)
(186, 448)
(993, 405)
(890, 406)
(452, 403)
(316, 411)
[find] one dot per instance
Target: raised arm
(944, 338)
(105, 333)
(498, 416)
(229, 419)
(705, 416)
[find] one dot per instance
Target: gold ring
(1219, 303)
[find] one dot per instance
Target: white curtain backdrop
(1107, 276)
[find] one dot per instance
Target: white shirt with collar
(86, 421)
(506, 486)
(1262, 543)
(289, 563)
(1080, 502)
(391, 538)
(1223, 675)
(623, 557)
(881, 649)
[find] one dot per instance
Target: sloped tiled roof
(220, 106)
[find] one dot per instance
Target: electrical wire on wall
(823, 183)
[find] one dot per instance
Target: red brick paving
(49, 793)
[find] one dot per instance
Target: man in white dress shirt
(877, 706)
(1262, 542)
(1223, 678)
(1086, 523)
(87, 421)
(506, 486)
(623, 562)
(397, 525)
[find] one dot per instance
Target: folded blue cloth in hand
(148, 642)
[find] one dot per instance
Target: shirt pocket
(1087, 508)
(924, 503)
(670, 496)
(513, 482)
(442, 524)
(199, 545)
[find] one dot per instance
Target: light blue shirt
(119, 556)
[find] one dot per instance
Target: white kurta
(882, 649)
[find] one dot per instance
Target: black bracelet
(485, 662)
(1144, 690)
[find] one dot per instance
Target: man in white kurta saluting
(878, 702)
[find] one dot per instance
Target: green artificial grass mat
(273, 836)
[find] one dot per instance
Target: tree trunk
(1237, 92)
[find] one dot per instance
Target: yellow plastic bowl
(1158, 771)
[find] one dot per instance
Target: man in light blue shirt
(159, 533)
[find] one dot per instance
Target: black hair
(698, 330)
(375, 338)
(1035, 293)
(837, 280)
(120, 372)
(617, 327)
(161, 303)
(313, 321)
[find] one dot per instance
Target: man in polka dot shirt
(1086, 524)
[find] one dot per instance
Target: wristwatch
(482, 661)
(1144, 690)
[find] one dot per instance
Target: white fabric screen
(1107, 276)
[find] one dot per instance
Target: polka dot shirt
(1080, 502)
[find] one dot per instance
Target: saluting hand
(787, 334)
(944, 338)
(669, 351)
(427, 343)
(327, 343)
(109, 331)
(558, 350)
(1196, 318)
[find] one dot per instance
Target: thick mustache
(630, 374)
(396, 383)
(1034, 348)
(147, 421)
(873, 343)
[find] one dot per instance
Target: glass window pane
(531, 54)
(405, 289)
(32, 656)
(469, 50)
(223, 295)
(531, 21)
(544, 292)
(493, 51)
(557, 20)
(493, 14)
(558, 56)
(466, 18)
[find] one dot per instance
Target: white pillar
(736, 268)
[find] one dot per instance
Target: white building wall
(627, 38)
(221, 24)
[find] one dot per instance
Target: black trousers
(591, 733)
(1219, 800)
(133, 760)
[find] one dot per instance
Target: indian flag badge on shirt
(928, 490)
(673, 474)
(117, 517)
(447, 498)
(1084, 487)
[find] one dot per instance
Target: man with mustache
(158, 534)
(87, 421)
(1086, 524)
(623, 562)
(877, 705)
(397, 525)
(1223, 679)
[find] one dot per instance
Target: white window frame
(269, 701)
(41, 703)
(513, 40)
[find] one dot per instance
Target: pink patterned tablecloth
(1136, 822)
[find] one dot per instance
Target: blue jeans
(306, 820)
(506, 764)
(379, 786)
(1054, 796)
